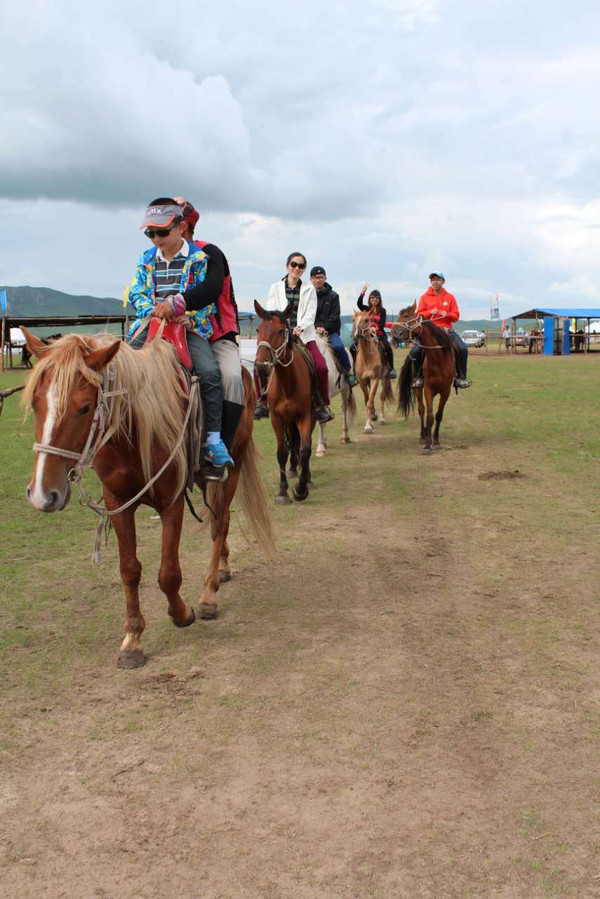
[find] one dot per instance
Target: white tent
(17, 338)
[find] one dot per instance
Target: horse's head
(407, 321)
(63, 392)
(361, 325)
(273, 336)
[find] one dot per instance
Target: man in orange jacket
(440, 307)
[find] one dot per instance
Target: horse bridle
(100, 432)
(276, 354)
(365, 332)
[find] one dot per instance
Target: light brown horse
(438, 372)
(290, 398)
(95, 398)
(371, 368)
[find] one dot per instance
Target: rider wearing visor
(166, 285)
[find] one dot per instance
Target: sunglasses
(158, 232)
(300, 265)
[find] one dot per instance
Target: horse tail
(255, 502)
(387, 391)
(406, 397)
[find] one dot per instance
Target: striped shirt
(168, 274)
(292, 295)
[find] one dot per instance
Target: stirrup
(324, 414)
(462, 383)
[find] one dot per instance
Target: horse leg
(438, 418)
(345, 438)
(429, 422)
(282, 454)
(371, 406)
(300, 490)
(382, 394)
(220, 528)
(322, 445)
(421, 408)
(169, 575)
(131, 654)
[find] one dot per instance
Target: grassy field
(406, 704)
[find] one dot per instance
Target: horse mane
(146, 413)
(440, 334)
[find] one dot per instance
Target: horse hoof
(293, 472)
(426, 450)
(319, 454)
(300, 497)
(131, 658)
(207, 610)
(188, 621)
(345, 440)
(224, 576)
(283, 500)
(368, 430)
(310, 485)
(382, 421)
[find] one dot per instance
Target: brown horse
(370, 368)
(95, 398)
(438, 372)
(290, 398)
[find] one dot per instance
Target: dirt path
(394, 711)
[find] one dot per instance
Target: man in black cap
(328, 319)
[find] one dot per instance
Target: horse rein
(100, 433)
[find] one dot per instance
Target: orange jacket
(444, 302)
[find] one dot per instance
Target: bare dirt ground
(405, 706)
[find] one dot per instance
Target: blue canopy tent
(557, 336)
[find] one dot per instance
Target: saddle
(301, 347)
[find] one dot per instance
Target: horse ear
(288, 310)
(36, 347)
(99, 359)
(413, 308)
(259, 309)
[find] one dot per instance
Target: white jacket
(307, 307)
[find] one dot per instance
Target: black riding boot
(232, 412)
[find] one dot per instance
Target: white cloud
(382, 140)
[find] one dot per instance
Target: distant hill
(479, 324)
(32, 301)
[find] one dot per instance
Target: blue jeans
(340, 351)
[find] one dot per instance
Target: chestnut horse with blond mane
(97, 399)
(371, 368)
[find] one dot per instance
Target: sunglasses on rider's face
(158, 232)
(300, 265)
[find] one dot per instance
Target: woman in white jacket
(304, 299)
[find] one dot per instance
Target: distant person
(303, 297)
(506, 334)
(378, 317)
(217, 288)
(328, 321)
(165, 285)
(441, 308)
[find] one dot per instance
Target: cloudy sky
(383, 139)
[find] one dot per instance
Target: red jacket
(444, 302)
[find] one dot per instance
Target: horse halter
(276, 354)
(412, 325)
(99, 434)
(365, 332)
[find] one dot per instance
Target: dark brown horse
(96, 399)
(438, 372)
(290, 398)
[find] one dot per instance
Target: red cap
(190, 215)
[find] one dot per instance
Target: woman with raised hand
(378, 316)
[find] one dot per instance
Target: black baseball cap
(317, 270)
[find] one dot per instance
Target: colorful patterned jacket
(141, 293)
